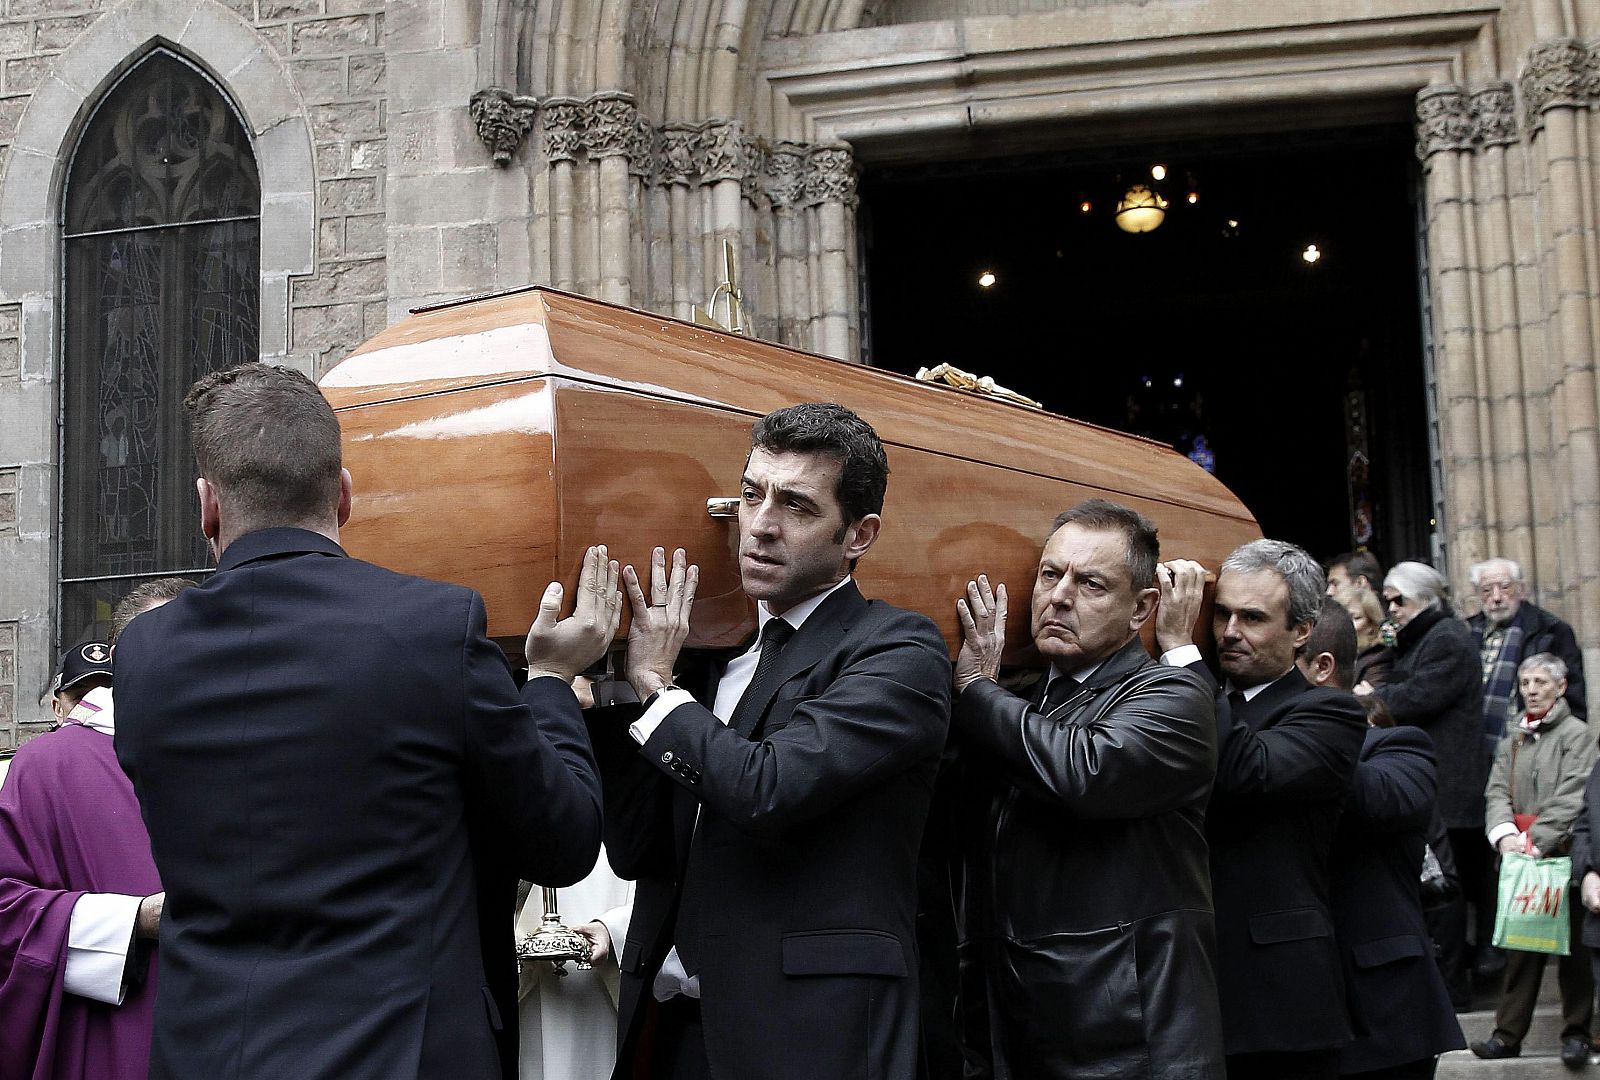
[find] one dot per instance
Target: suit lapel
(1266, 705)
(813, 641)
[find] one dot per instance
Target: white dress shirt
(100, 934)
(672, 979)
(1184, 655)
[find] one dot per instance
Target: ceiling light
(1311, 254)
(986, 279)
(1194, 197)
(1085, 206)
(1158, 172)
(1141, 210)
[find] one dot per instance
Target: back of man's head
(141, 598)
(267, 439)
(1335, 635)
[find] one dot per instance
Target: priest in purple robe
(80, 901)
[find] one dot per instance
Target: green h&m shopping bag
(1532, 914)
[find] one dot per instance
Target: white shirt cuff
(1182, 656)
(669, 698)
(1501, 831)
(98, 941)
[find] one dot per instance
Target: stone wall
(310, 80)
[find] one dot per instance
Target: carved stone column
(561, 134)
(610, 131)
(830, 186)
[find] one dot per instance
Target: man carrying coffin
(1101, 944)
(770, 808)
(341, 780)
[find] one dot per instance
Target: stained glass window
(162, 236)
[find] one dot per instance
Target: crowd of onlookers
(1502, 696)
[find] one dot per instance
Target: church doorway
(1270, 326)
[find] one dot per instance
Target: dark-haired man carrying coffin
(771, 807)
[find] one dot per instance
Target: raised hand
(983, 632)
(564, 647)
(659, 625)
(1183, 590)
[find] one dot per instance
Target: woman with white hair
(1437, 684)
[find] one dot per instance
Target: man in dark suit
(1399, 1008)
(340, 778)
(1089, 885)
(1287, 751)
(770, 807)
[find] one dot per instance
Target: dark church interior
(1273, 310)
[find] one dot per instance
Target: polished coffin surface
(493, 440)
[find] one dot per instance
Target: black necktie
(773, 638)
(1060, 689)
(1237, 702)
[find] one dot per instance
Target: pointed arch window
(161, 227)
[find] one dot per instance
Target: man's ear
(57, 708)
(210, 510)
(1302, 633)
(1144, 606)
(346, 493)
(861, 536)
(1320, 669)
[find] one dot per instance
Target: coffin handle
(722, 508)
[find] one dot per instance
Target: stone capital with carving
(561, 128)
(785, 178)
(608, 124)
(720, 151)
(1444, 120)
(1556, 72)
(1494, 114)
(502, 119)
(676, 160)
(830, 174)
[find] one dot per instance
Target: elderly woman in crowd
(1374, 659)
(1436, 684)
(1535, 797)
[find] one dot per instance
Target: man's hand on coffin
(1183, 590)
(661, 624)
(983, 632)
(564, 647)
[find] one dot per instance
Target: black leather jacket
(1092, 900)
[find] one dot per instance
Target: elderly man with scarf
(1509, 627)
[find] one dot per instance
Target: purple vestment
(69, 824)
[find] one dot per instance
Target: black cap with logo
(83, 661)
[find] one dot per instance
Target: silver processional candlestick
(554, 942)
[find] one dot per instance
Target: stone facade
(609, 148)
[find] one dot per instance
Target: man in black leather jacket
(1089, 893)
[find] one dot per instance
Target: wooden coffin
(493, 439)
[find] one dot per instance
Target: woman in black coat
(1437, 685)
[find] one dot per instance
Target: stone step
(1462, 1065)
(1544, 1034)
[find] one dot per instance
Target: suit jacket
(1542, 631)
(806, 850)
(1283, 768)
(342, 785)
(1398, 1003)
(1095, 867)
(1586, 851)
